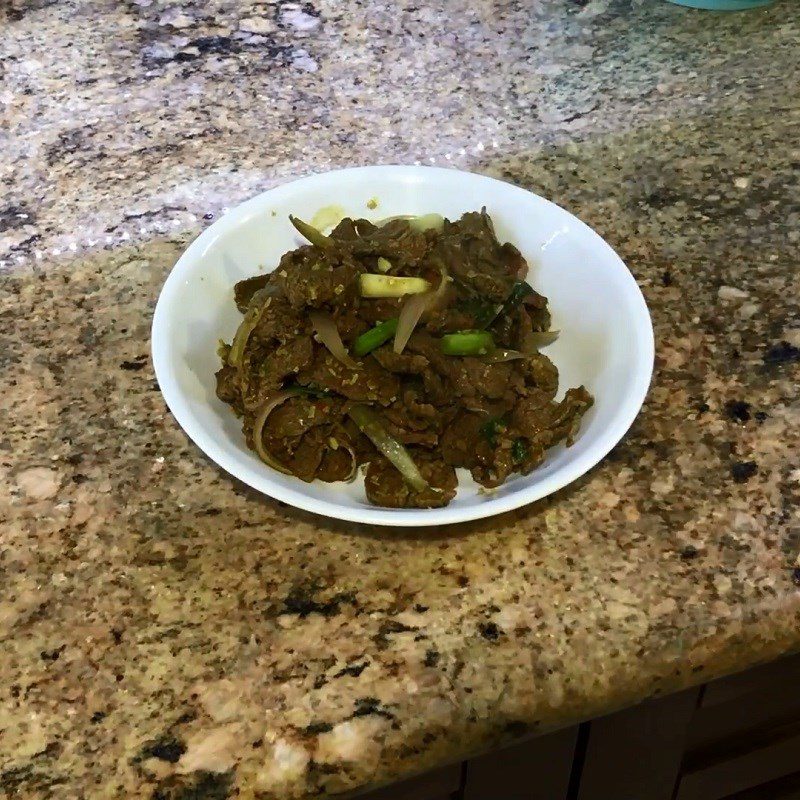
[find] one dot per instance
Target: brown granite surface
(167, 633)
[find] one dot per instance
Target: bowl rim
(377, 515)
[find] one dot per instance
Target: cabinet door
(536, 769)
(717, 780)
(636, 754)
(440, 784)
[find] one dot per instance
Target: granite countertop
(168, 633)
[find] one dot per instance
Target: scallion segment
(370, 425)
(467, 343)
(375, 337)
(313, 235)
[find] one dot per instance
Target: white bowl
(606, 340)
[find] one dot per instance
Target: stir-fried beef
(412, 347)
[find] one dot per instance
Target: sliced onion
(421, 222)
(412, 311)
(335, 445)
(326, 331)
(371, 427)
(500, 355)
(542, 338)
(258, 428)
(258, 302)
(410, 315)
(353, 463)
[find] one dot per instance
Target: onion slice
(269, 405)
(255, 309)
(335, 445)
(542, 338)
(353, 462)
(500, 355)
(371, 427)
(412, 311)
(326, 331)
(410, 314)
(418, 223)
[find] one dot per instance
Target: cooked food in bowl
(411, 346)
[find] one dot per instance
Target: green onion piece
(519, 291)
(371, 427)
(375, 337)
(384, 265)
(313, 235)
(375, 285)
(467, 343)
(519, 451)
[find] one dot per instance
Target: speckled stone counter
(167, 633)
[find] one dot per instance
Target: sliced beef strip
(411, 421)
(310, 278)
(546, 423)
(244, 290)
(385, 486)
(335, 465)
(375, 310)
(540, 373)
(280, 321)
(515, 331)
(298, 415)
(533, 413)
(535, 305)
(400, 363)
(567, 420)
(469, 377)
(462, 442)
(306, 436)
(228, 386)
(369, 384)
(494, 471)
(265, 369)
(306, 456)
(395, 241)
(450, 320)
(470, 252)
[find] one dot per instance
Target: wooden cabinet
(745, 733)
(537, 769)
(440, 784)
(737, 738)
(635, 754)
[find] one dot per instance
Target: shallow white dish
(606, 340)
